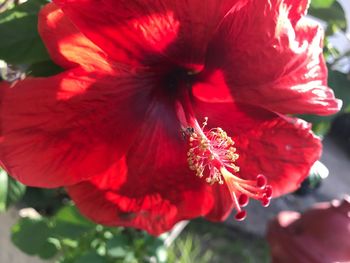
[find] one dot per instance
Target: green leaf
(20, 42)
(69, 231)
(49, 249)
(117, 246)
(69, 243)
(70, 214)
(31, 235)
(340, 83)
(90, 257)
(130, 258)
(3, 189)
(117, 252)
(10, 190)
(46, 201)
(321, 3)
(43, 69)
(333, 15)
(15, 191)
(69, 223)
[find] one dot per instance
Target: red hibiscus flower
(169, 110)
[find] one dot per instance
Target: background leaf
(48, 250)
(11, 190)
(321, 3)
(20, 42)
(3, 189)
(30, 235)
(340, 83)
(45, 201)
(117, 246)
(334, 15)
(71, 215)
(90, 257)
(15, 191)
(43, 69)
(69, 223)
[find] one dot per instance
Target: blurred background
(38, 225)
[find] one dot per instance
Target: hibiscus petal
(273, 60)
(143, 31)
(283, 149)
(3, 86)
(66, 128)
(154, 211)
(67, 46)
(212, 88)
(223, 204)
(151, 188)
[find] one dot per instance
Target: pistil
(212, 156)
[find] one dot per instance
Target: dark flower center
(178, 80)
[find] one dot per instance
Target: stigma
(212, 156)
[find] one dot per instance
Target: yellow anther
(209, 152)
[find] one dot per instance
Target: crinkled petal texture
(144, 32)
(63, 129)
(152, 187)
(273, 59)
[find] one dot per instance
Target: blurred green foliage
(321, 3)
(69, 238)
(331, 12)
(20, 42)
(21, 45)
(11, 190)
